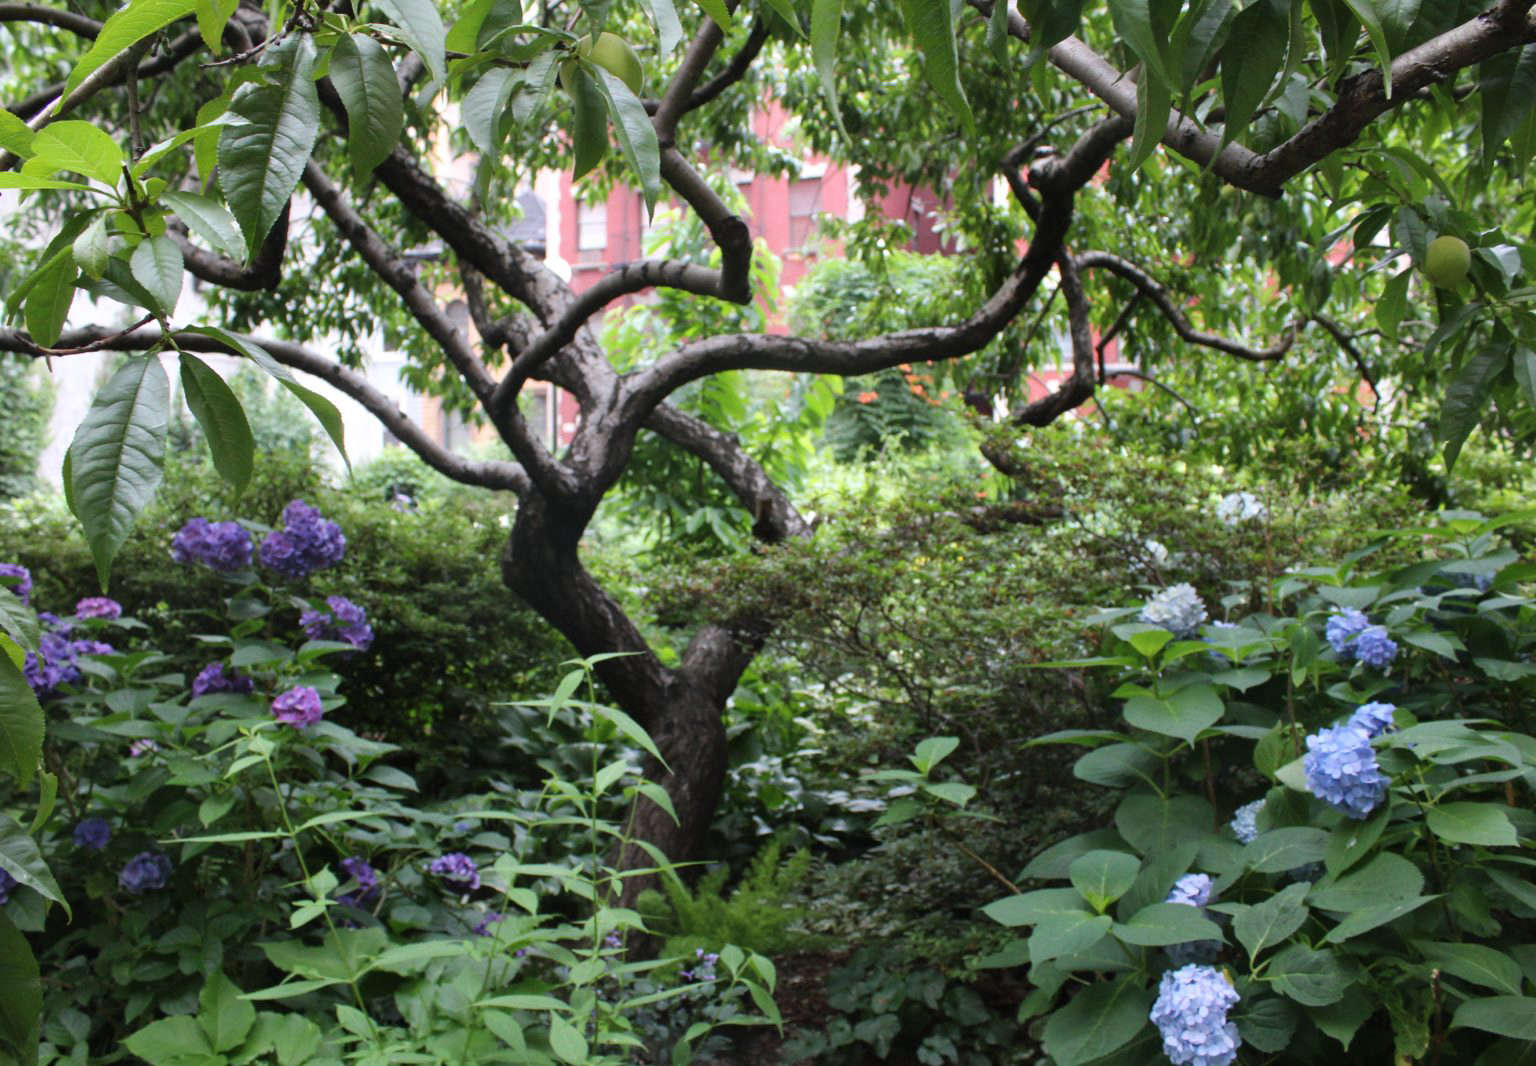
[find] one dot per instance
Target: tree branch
(1078, 387)
(1346, 342)
(51, 16)
(265, 271)
(491, 475)
(45, 106)
(734, 71)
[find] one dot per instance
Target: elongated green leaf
(21, 723)
(717, 10)
(91, 250)
(127, 27)
(933, 28)
(1154, 103)
(12, 180)
(207, 218)
(1512, 1016)
(566, 1041)
(464, 34)
(1100, 1019)
(484, 107)
(218, 411)
(19, 623)
(117, 456)
(1507, 95)
(15, 135)
(156, 152)
(20, 858)
(1373, 917)
(157, 266)
(212, 17)
(262, 157)
(21, 993)
(1466, 399)
(225, 1018)
(1200, 34)
(589, 123)
(421, 28)
(1478, 963)
(1142, 25)
(1253, 56)
(826, 28)
(1366, 11)
(669, 29)
(48, 302)
(365, 81)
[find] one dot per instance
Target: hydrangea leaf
(1161, 924)
(1312, 978)
(1472, 823)
(1268, 923)
(1285, 849)
(1102, 1018)
(1102, 876)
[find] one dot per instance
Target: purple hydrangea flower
(1374, 648)
(22, 586)
(223, 546)
(93, 834)
(483, 927)
(306, 543)
(298, 707)
(1373, 719)
(53, 664)
(367, 878)
(704, 966)
(145, 871)
(1343, 628)
(457, 870)
(90, 647)
(1177, 609)
(345, 621)
(99, 607)
(1342, 771)
(1191, 1013)
(1245, 822)
(212, 678)
(142, 747)
(7, 882)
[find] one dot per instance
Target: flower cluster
(1341, 769)
(1191, 1013)
(55, 663)
(344, 621)
(212, 678)
(141, 748)
(1177, 609)
(704, 966)
(307, 542)
(22, 586)
(93, 834)
(457, 870)
(1374, 648)
(1245, 822)
(7, 882)
(298, 707)
(483, 926)
(1373, 719)
(221, 546)
(1350, 633)
(1192, 890)
(1236, 507)
(99, 607)
(145, 871)
(367, 878)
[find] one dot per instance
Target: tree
(1269, 116)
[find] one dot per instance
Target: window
(591, 232)
(804, 203)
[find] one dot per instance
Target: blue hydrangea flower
(1245, 822)
(1373, 719)
(7, 883)
(344, 621)
(1342, 771)
(99, 607)
(1343, 628)
(212, 678)
(457, 870)
(52, 665)
(367, 878)
(1192, 890)
(1374, 648)
(1177, 609)
(1191, 1013)
(93, 834)
(298, 707)
(221, 546)
(22, 585)
(145, 871)
(307, 542)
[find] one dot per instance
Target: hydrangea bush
(1319, 853)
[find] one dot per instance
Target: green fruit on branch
(1447, 261)
(613, 54)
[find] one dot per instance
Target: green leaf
(484, 107)
(1507, 95)
(1146, 31)
(1478, 963)
(21, 723)
(1268, 923)
(933, 28)
(566, 1042)
(1119, 766)
(1253, 56)
(118, 454)
(21, 993)
(1160, 924)
(1472, 823)
(933, 751)
(637, 137)
(1147, 640)
(1341, 1020)
(1031, 908)
(262, 157)
(157, 265)
(20, 858)
(1310, 977)
(1185, 714)
(207, 218)
(16, 136)
(1067, 933)
(1101, 877)
(1512, 1016)
(717, 10)
(1386, 877)
(1285, 849)
(1352, 841)
(124, 29)
(1154, 103)
(168, 1040)
(218, 411)
(1525, 373)
(91, 250)
(365, 81)
(1266, 1023)
(1154, 825)
(826, 27)
(1466, 399)
(1366, 12)
(48, 302)
(589, 124)
(324, 410)
(669, 29)
(421, 28)
(82, 148)
(212, 17)
(12, 180)
(224, 1017)
(1378, 914)
(1100, 1019)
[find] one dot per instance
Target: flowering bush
(307, 542)
(1358, 868)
